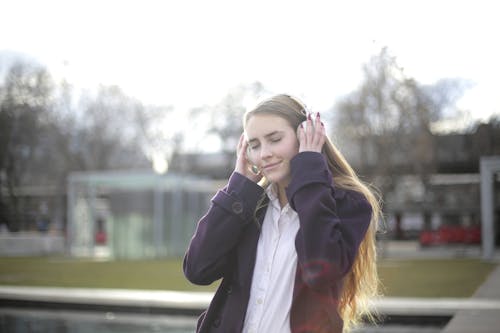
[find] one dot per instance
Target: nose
(265, 152)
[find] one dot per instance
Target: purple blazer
(333, 223)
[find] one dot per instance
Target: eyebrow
(266, 136)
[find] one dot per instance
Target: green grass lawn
(404, 278)
(66, 272)
(433, 278)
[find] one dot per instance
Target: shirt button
(259, 301)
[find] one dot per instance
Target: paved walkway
(193, 301)
(479, 320)
(478, 314)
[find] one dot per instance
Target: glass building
(134, 215)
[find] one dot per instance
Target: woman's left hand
(311, 138)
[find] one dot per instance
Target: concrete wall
(29, 244)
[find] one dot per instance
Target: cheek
(292, 148)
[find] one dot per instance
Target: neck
(282, 196)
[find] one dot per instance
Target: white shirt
(274, 273)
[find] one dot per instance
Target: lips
(271, 166)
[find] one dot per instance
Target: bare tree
(25, 97)
(385, 125)
(45, 134)
(106, 128)
(224, 120)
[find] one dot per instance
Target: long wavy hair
(361, 284)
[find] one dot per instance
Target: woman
(292, 235)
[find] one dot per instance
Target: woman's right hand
(243, 166)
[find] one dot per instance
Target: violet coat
(333, 223)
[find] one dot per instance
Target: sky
(191, 53)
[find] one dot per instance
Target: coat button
(229, 290)
(216, 322)
(237, 207)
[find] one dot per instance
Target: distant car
(451, 234)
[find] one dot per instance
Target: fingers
(242, 163)
(240, 155)
(309, 129)
(313, 136)
(241, 151)
(319, 132)
(241, 144)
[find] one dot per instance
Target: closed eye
(272, 137)
(252, 147)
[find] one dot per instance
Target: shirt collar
(274, 200)
(271, 192)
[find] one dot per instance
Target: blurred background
(108, 108)
(119, 119)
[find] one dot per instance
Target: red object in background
(426, 238)
(447, 234)
(459, 233)
(473, 235)
(444, 234)
(100, 238)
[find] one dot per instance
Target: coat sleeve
(219, 230)
(333, 221)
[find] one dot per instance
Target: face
(272, 143)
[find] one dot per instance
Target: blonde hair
(361, 283)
